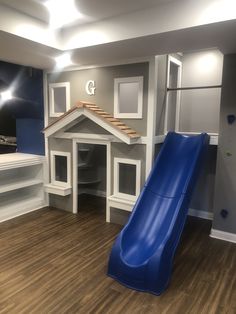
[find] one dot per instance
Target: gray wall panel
(225, 190)
(104, 94)
(199, 110)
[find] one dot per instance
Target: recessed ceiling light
(63, 61)
(6, 95)
(62, 12)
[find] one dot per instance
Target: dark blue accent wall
(30, 139)
(23, 116)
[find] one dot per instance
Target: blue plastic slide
(142, 255)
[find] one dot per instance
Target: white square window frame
(135, 162)
(53, 86)
(127, 115)
(55, 182)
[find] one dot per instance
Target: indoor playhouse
(103, 128)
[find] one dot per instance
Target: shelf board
(89, 182)
(84, 149)
(7, 144)
(84, 165)
(13, 185)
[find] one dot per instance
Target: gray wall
(203, 196)
(87, 126)
(200, 109)
(104, 94)
(225, 189)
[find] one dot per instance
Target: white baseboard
(12, 215)
(93, 192)
(222, 235)
(200, 214)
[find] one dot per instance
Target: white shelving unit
(21, 184)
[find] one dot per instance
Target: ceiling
(176, 28)
(92, 10)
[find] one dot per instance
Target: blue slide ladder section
(142, 255)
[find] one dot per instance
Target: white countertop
(14, 160)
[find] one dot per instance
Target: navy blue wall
(23, 117)
(30, 139)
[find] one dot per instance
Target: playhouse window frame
(52, 87)
(53, 168)
(137, 163)
(178, 64)
(128, 115)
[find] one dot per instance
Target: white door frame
(75, 172)
(177, 116)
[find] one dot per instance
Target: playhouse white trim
(52, 86)
(128, 115)
(119, 203)
(81, 111)
(177, 116)
(58, 190)
(46, 146)
(55, 182)
(151, 114)
(75, 174)
(127, 161)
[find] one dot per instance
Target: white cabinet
(21, 184)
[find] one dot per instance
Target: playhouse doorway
(91, 177)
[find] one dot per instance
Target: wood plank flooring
(55, 262)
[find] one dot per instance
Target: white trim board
(117, 90)
(52, 86)
(200, 214)
(116, 177)
(178, 63)
(151, 113)
(222, 235)
(53, 155)
(102, 65)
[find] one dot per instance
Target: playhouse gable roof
(97, 115)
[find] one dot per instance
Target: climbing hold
(229, 154)
(224, 213)
(231, 118)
